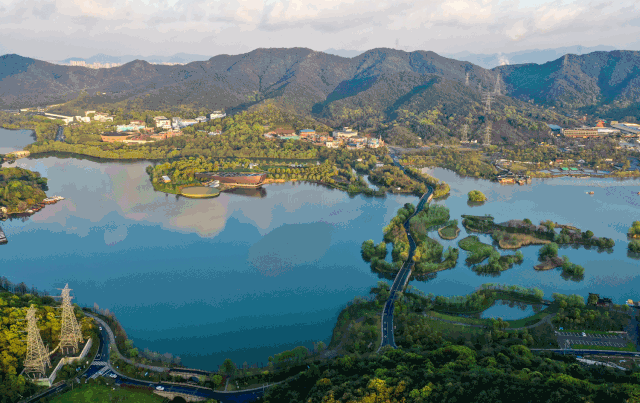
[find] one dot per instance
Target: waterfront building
(217, 115)
(113, 137)
(242, 179)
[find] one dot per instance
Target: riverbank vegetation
(20, 189)
(497, 263)
(544, 232)
(478, 251)
(394, 178)
(463, 162)
(634, 231)
(476, 196)
(440, 188)
(574, 314)
(634, 246)
(449, 232)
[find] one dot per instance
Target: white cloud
(118, 27)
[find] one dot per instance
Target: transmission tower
(487, 97)
(487, 134)
(37, 354)
(466, 80)
(70, 334)
(463, 133)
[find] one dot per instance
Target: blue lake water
(248, 275)
(235, 277)
(508, 310)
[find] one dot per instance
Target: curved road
(101, 367)
(402, 277)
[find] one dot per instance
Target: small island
(634, 246)
(449, 232)
(21, 191)
(634, 231)
(476, 196)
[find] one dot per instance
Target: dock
(3, 237)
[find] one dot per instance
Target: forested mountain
(382, 90)
(597, 78)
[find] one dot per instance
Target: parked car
(159, 387)
(584, 334)
(113, 375)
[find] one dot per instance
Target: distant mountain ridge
(374, 88)
(539, 56)
(102, 58)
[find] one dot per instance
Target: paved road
(401, 278)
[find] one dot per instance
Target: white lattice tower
(37, 359)
(463, 133)
(487, 97)
(466, 80)
(487, 134)
(70, 334)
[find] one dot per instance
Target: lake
(241, 276)
(608, 212)
(250, 274)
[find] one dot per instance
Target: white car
(584, 334)
(113, 375)
(100, 327)
(159, 387)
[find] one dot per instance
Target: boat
(590, 193)
(30, 211)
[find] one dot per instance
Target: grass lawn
(530, 320)
(98, 393)
(461, 319)
(478, 251)
(449, 232)
(449, 329)
(629, 347)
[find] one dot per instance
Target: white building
(345, 132)
(217, 115)
(201, 119)
(187, 122)
(84, 119)
(163, 123)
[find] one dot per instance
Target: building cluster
(600, 130)
(343, 137)
(96, 65)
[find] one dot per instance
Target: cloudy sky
(57, 29)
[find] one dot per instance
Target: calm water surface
(608, 212)
(508, 310)
(242, 276)
(250, 274)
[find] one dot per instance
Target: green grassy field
(99, 393)
(628, 347)
(448, 329)
(478, 251)
(461, 319)
(449, 232)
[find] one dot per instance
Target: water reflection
(510, 310)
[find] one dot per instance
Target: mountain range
(538, 56)
(373, 89)
(102, 58)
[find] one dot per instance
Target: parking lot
(567, 339)
(599, 336)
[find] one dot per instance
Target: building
(102, 117)
(217, 115)
(166, 179)
(307, 132)
(66, 119)
(627, 129)
(141, 139)
(163, 123)
(113, 137)
(159, 118)
(345, 132)
(201, 119)
(84, 119)
(129, 128)
(137, 123)
(87, 113)
(187, 122)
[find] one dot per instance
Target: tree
(588, 234)
(228, 367)
(476, 196)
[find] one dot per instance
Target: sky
(58, 29)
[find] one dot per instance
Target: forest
(20, 189)
(13, 310)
